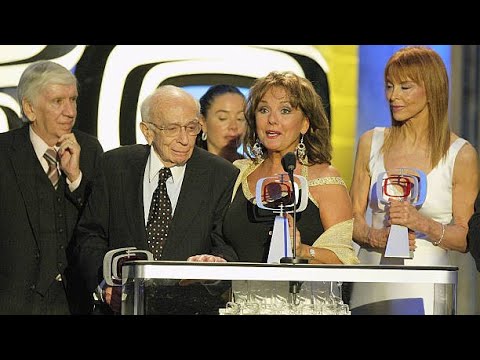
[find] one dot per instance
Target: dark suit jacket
(473, 237)
(27, 244)
(114, 215)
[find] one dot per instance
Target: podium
(155, 287)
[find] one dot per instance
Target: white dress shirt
(150, 182)
(40, 147)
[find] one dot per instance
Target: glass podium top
(180, 287)
(289, 272)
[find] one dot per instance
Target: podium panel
(174, 288)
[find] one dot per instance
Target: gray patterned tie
(52, 172)
(159, 216)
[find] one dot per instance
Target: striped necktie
(52, 172)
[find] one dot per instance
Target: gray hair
(164, 92)
(40, 74)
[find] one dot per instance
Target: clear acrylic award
(404, 184)
(275, 194)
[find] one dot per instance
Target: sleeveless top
(248, 228)
(437, 205)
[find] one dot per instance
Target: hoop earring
(302, 152)
(257, 150)
(204, 136)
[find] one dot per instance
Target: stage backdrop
(114, 80)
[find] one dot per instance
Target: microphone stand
(293, 259)
(294, 286)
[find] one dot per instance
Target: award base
(280, 244)
(293, 260)
(397, 243)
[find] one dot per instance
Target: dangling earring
(257, 150)
(302, 152)
(204, 136)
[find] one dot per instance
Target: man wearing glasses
(130, 206)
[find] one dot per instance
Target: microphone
(289, 162)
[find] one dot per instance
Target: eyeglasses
(193, 128)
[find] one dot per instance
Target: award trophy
(114, 259)
(403, 184)
(275, 194)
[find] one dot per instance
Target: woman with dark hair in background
(223, 121)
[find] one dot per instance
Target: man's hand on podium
(200, 258)
(206, 258)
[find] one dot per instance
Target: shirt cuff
(74, 185)
(98, 294)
